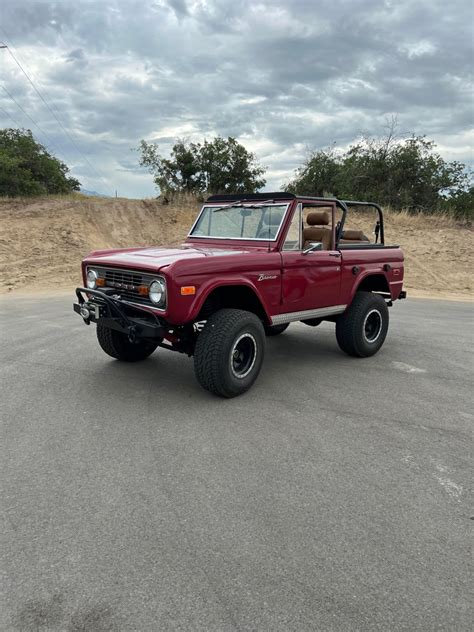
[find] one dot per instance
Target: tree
(227, 167)
(319, 175)
(402, 173)
(179, 173)
(27, 168)
(461, 204)
(218, 166)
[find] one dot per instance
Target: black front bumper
(99, 307)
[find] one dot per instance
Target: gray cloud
(280, 75)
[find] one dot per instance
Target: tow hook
(86, 315)
(132, 334)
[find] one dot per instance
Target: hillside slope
(42, 241)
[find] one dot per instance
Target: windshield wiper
(240, 205)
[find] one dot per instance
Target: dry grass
(438, 250)
(44, 239)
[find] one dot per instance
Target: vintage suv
(251, 264)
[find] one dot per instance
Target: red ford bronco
(251, 264)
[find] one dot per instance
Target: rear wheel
(275, 330)
(117, 345)
(229, 352)
(362, 329)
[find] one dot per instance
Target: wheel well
(374, 283)
(235, 296)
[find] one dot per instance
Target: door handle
(334, 254)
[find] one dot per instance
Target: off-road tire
(275, 330)
(362, 329)
(215, 349)
(118, 346)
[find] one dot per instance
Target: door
(312, 281)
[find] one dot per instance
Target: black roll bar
(373, 205)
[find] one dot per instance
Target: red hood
(156, 258)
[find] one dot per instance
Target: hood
(156, 258)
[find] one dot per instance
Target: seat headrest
(318, 218)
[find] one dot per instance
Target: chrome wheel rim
(243, 355)
(372, 327)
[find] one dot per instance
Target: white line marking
(454, 490)
(407, 368)
(450, 487)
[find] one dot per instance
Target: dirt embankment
(438, 252)
(43, 241)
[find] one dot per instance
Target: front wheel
(362, 329)
(229, 352)
(118, 346)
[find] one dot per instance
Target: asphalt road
(332, 496)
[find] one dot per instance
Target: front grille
(126, 283)
(134, 296)
(122, 277)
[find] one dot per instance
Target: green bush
(404, 174)
(27, 169)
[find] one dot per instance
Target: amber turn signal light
(188, 290)
(100, 282)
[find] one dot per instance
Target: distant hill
(94, 193)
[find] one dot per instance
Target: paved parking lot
(332, 496)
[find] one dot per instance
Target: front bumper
(100, 307)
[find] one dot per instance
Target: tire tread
(208, 350)
(117, 346)
(347, 325)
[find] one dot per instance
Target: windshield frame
(236, 203)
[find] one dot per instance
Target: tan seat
(350, 236)
(317, 229)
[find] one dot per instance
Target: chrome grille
(126, 283)
(134, 296)
(122, 277)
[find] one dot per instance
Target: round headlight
(92, 277)
(157, 292)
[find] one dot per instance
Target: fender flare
(207, 288)
(367, 275)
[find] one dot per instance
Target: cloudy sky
(282, 76)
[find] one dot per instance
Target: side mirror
(313, 247)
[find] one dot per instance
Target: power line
(10, 117)
(56, 117)
(94, 170)
(50, 142)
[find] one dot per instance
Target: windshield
(240, 222)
